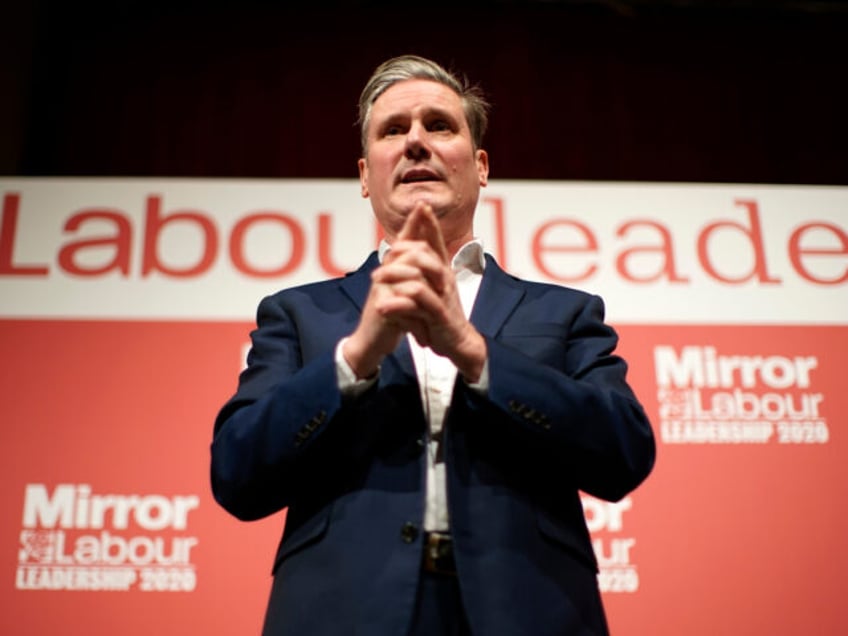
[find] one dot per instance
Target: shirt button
(409, 532)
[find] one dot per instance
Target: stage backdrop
(125, 307)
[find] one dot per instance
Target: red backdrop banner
(112, 379)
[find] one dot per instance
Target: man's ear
(483, 167)
(363, 177)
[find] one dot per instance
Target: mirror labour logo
(708, 398)
(73, 539)
(611, 543)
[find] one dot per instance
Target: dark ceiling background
(639, 90)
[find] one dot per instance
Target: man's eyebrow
(429, 111)
(439, 112)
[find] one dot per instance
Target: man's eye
(439, 125)
(390, 131)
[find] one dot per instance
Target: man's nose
(416, 143)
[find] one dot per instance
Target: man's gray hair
(408, 67)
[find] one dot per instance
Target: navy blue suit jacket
(558, 417)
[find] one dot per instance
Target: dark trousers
(438, 608)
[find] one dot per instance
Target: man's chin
(408, 203)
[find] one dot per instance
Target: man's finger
(422, 225)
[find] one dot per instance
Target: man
(428, 420)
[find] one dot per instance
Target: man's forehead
(417, 94)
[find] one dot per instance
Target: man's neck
(454, 246)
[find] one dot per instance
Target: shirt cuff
(348, 383)
(481, 386)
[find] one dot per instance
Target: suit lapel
(497, 299)
(356, 284)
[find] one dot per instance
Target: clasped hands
(414, 291)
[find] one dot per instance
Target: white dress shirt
(436, 378)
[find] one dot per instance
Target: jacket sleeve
(572, 402)
(267, 435)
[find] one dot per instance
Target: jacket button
(418, 446)
(409, 532)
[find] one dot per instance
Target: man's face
(419, 148)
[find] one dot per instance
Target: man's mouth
(419, 176)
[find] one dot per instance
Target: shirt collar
(470, 256)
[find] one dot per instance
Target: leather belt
(438, 554)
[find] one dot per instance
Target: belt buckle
(438, 554)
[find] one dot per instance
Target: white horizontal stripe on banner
(209, 249)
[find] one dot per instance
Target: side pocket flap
(296, 538)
